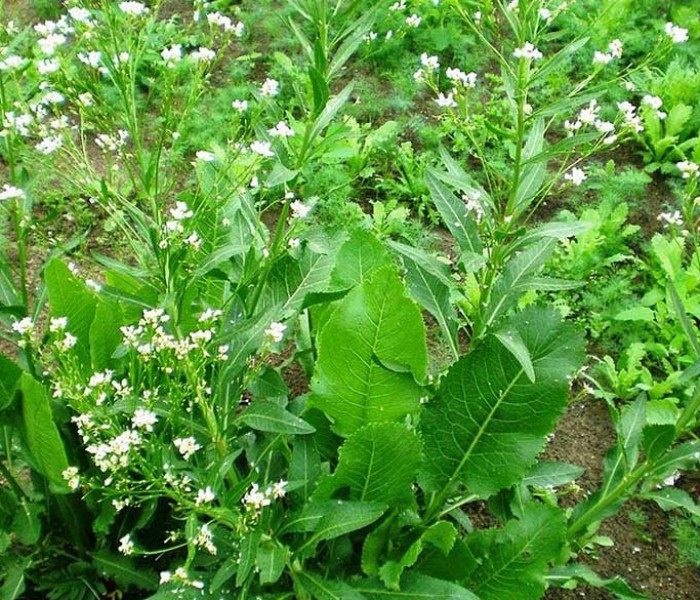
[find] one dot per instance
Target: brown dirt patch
(643, 554)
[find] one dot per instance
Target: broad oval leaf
(379, 463)
(512, 562)
(489, 421)
(374, 326)
(43, 438)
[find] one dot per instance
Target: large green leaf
(431, 293)
(417, 586)
(125, 571)
(105, 335)
(359, 258)
(489, 420)
(43, 438)
(441, 535)
(378, 463)
(271, 560)
(291, 280)
(512, 562)
(370, 354)
(9, 375)
(68, 297)
(321, 588)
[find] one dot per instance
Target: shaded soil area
(643, 553)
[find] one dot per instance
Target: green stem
(594, 512)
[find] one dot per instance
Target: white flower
(135, 9)
(677, 34)
(270, 88)
(126, 546)
(294, 243)
(82, 15)
(528, 51)
(71, 476)
(49, 44)
(57, 324)
(48, 66)
(9, 192)
(446, 101)
(281, 130)
(615, 48)
(240, 105)
(24, 326)
(668, 218)
(299, 209)
(256, 499)
(205, 156)
(652, 101)
(688, 169)
(576, 176)
(460, 77)
(144, 419)
(413, 21)
(92, 59)
(278, 489)
(172, 55)
(11, 62)
(400, 5)
(545, 14)
(180, 212)
(205, 496)
(429, 62)
(203, 54)
(262, 148)
(205, 539)
(275, 332)
(601, 58)
(186, 446)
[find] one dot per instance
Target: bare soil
(643, 553)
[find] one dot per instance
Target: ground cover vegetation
(294, 295)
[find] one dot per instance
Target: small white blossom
(262, 148)
(275, 332)
(413, 21)
(528, 51)
(144, 419)
(576, 176)
(671, 218)
(429, 62)
(24, 326)
(299, 209)
(281, 130)
(186, 446)
(205, 156)
(240, 105)
(126, 546)
(687, 168)
(135, 9)
(172, 55)
(446, 101)
(72, 478)
(205, 496)
(203, 55)
(677, 34)
(9, 192)
(270, 88)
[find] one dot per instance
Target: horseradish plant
(151, 401)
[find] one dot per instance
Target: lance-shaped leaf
(417, 586)
(516, 279)
(490, 420)
(512, 562)
(455, 215)
(370, 354)
(378, 463)
(265, 415)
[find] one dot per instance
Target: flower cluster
(256, 499)
(589, 116)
